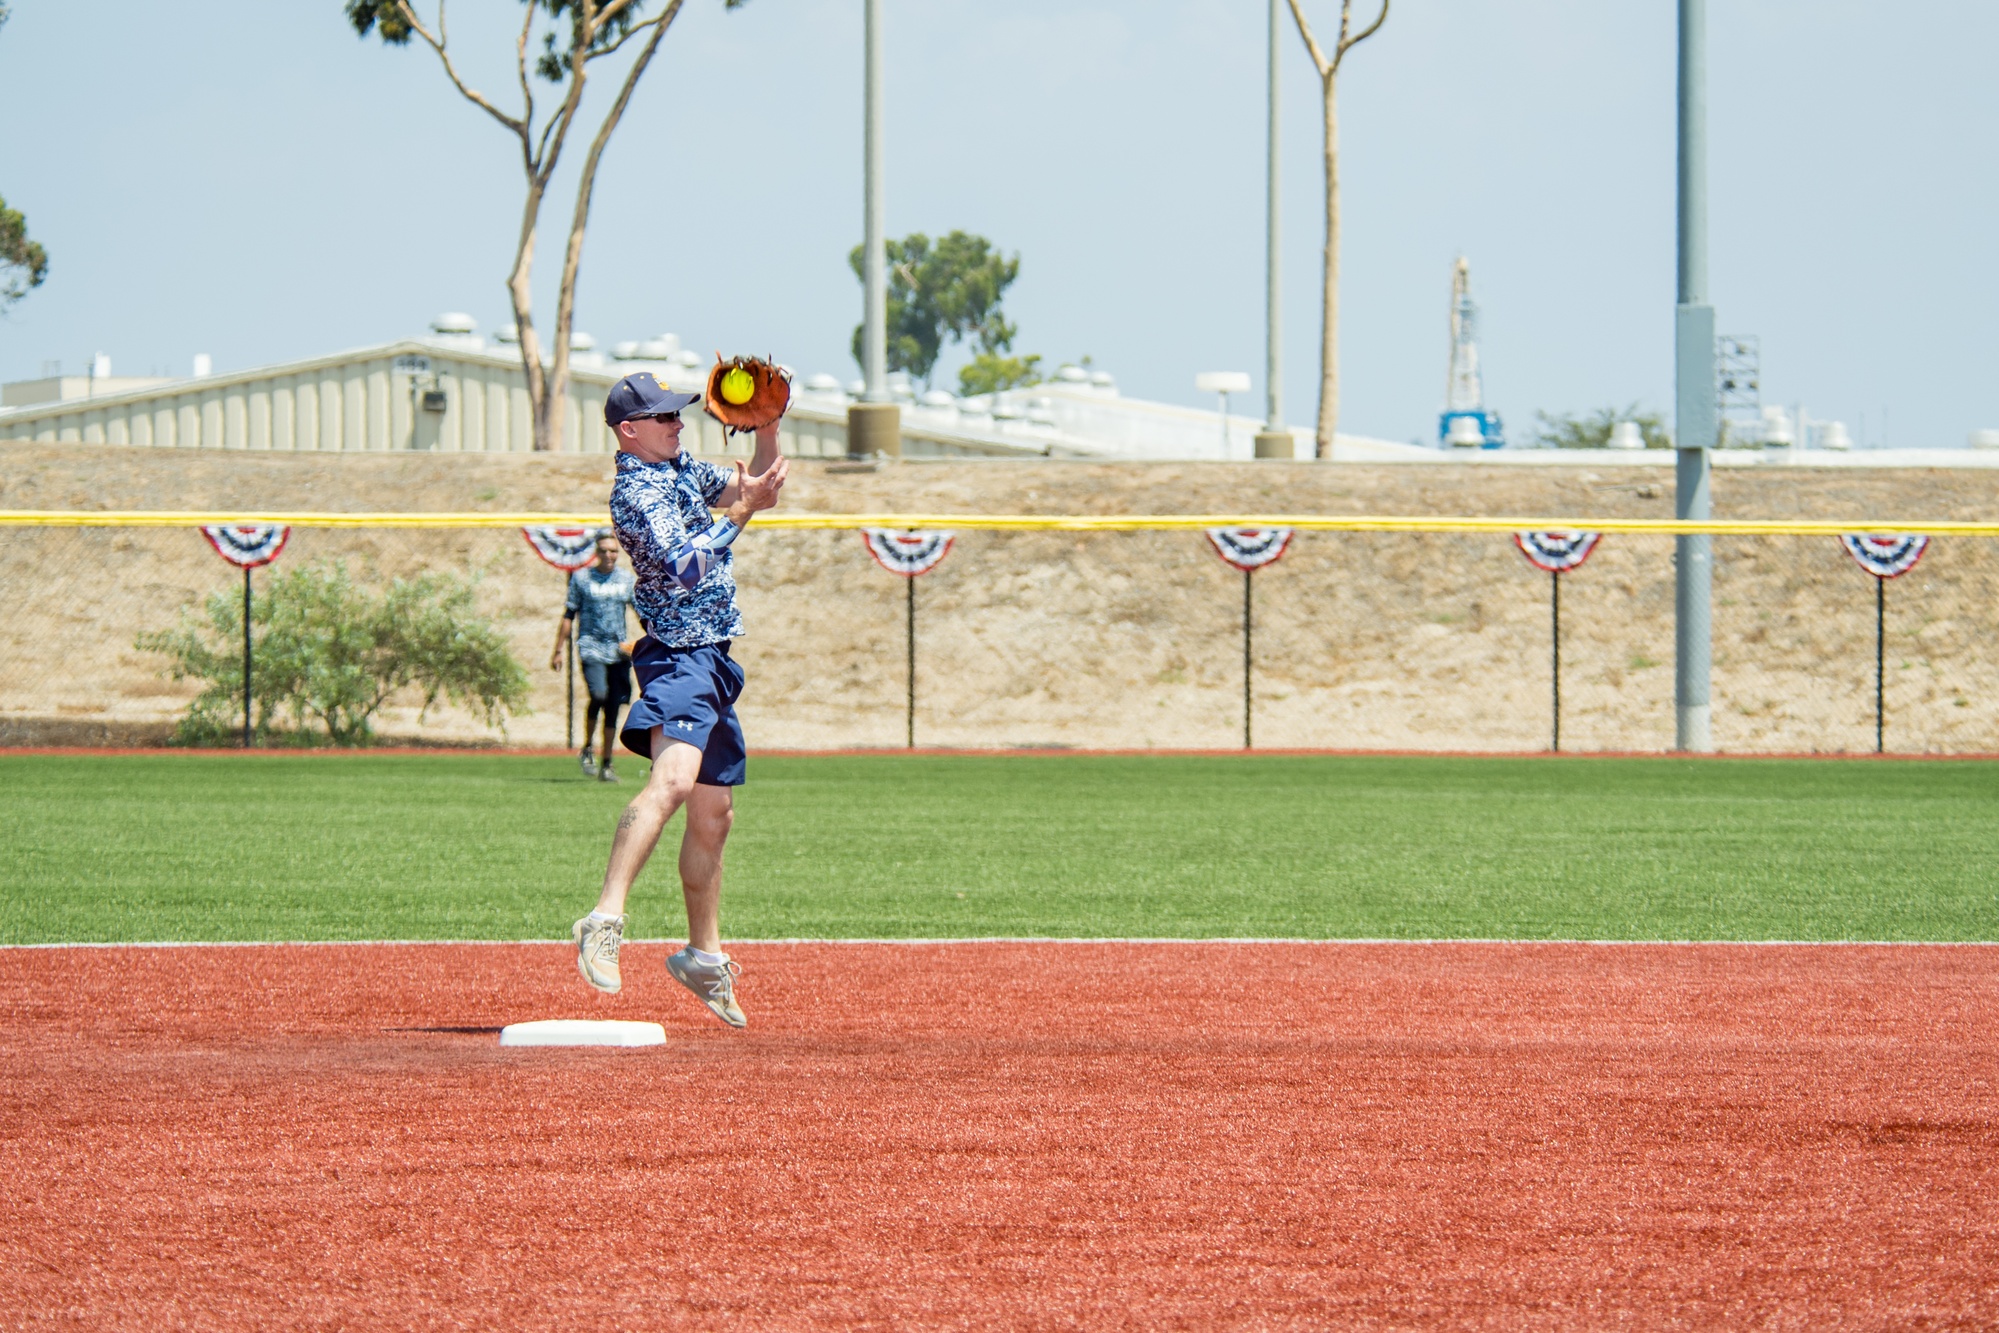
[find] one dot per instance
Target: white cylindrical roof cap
(1466, 433)
(506, 333)
(1833, 435)
(1222, 381)
(625, 351)
(582, 342)
(1985, 439)
(1624, 435)
(454, 321)
(204, 365)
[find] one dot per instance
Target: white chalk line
(1369, 941)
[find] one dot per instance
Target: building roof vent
(661, 348)
(454, 321)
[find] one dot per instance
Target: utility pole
(1273, 441)
(1694, 407)
(874, 424)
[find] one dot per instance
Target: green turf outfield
(205, 847)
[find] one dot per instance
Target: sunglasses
(666, 416)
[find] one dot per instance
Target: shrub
(1566, 431)
(989, 372)
(330, 652)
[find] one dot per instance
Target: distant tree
(946, 292)
(1329, 327)
(1566, 431)
(23, 264)
(989, 372)
(575, 33)
(331, 652)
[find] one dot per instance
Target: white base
(582, 1032)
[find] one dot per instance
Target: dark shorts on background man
(690, 694)
(608, 683)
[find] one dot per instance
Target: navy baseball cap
(641, 395)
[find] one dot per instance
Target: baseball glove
(747, 393)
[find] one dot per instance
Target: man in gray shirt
(599, 597)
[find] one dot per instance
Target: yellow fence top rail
(145, 518)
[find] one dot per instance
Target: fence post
(911, 634)
(1555, 670)
(246, 657)
(1880, 659)
(569, 675)
(1247, 577)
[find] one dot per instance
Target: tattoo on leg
(627, 819)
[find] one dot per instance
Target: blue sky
(250, 180)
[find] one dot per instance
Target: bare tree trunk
(521, 293)
(548, 391)
(557, 399)
(1329, 329)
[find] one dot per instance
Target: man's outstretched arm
(762, 460)
(689, 561)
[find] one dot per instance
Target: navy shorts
(690, 694)
(609, 683)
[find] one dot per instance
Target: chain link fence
(1424, 640)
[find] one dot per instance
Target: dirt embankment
(1115, 640)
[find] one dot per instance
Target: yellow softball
(738, 387)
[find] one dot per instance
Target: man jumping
(684, 719)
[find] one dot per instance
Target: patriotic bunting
(1250, 548)
(1885, 557)
(566, 547)
(247, 545)
(907, 553)
(1556, 552)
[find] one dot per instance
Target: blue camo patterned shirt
(598, 601)
(656, 508)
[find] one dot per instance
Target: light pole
(1693, 400)
(874, 424)
(1273, 441)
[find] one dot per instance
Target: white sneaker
(714, 984)
(597, 951)
(587, 762)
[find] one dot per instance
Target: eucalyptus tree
(558, 43)
(23, 263)
(1329, 327)
(947, 290)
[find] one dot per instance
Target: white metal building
(416, 394)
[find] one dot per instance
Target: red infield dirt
(1001, 1134)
